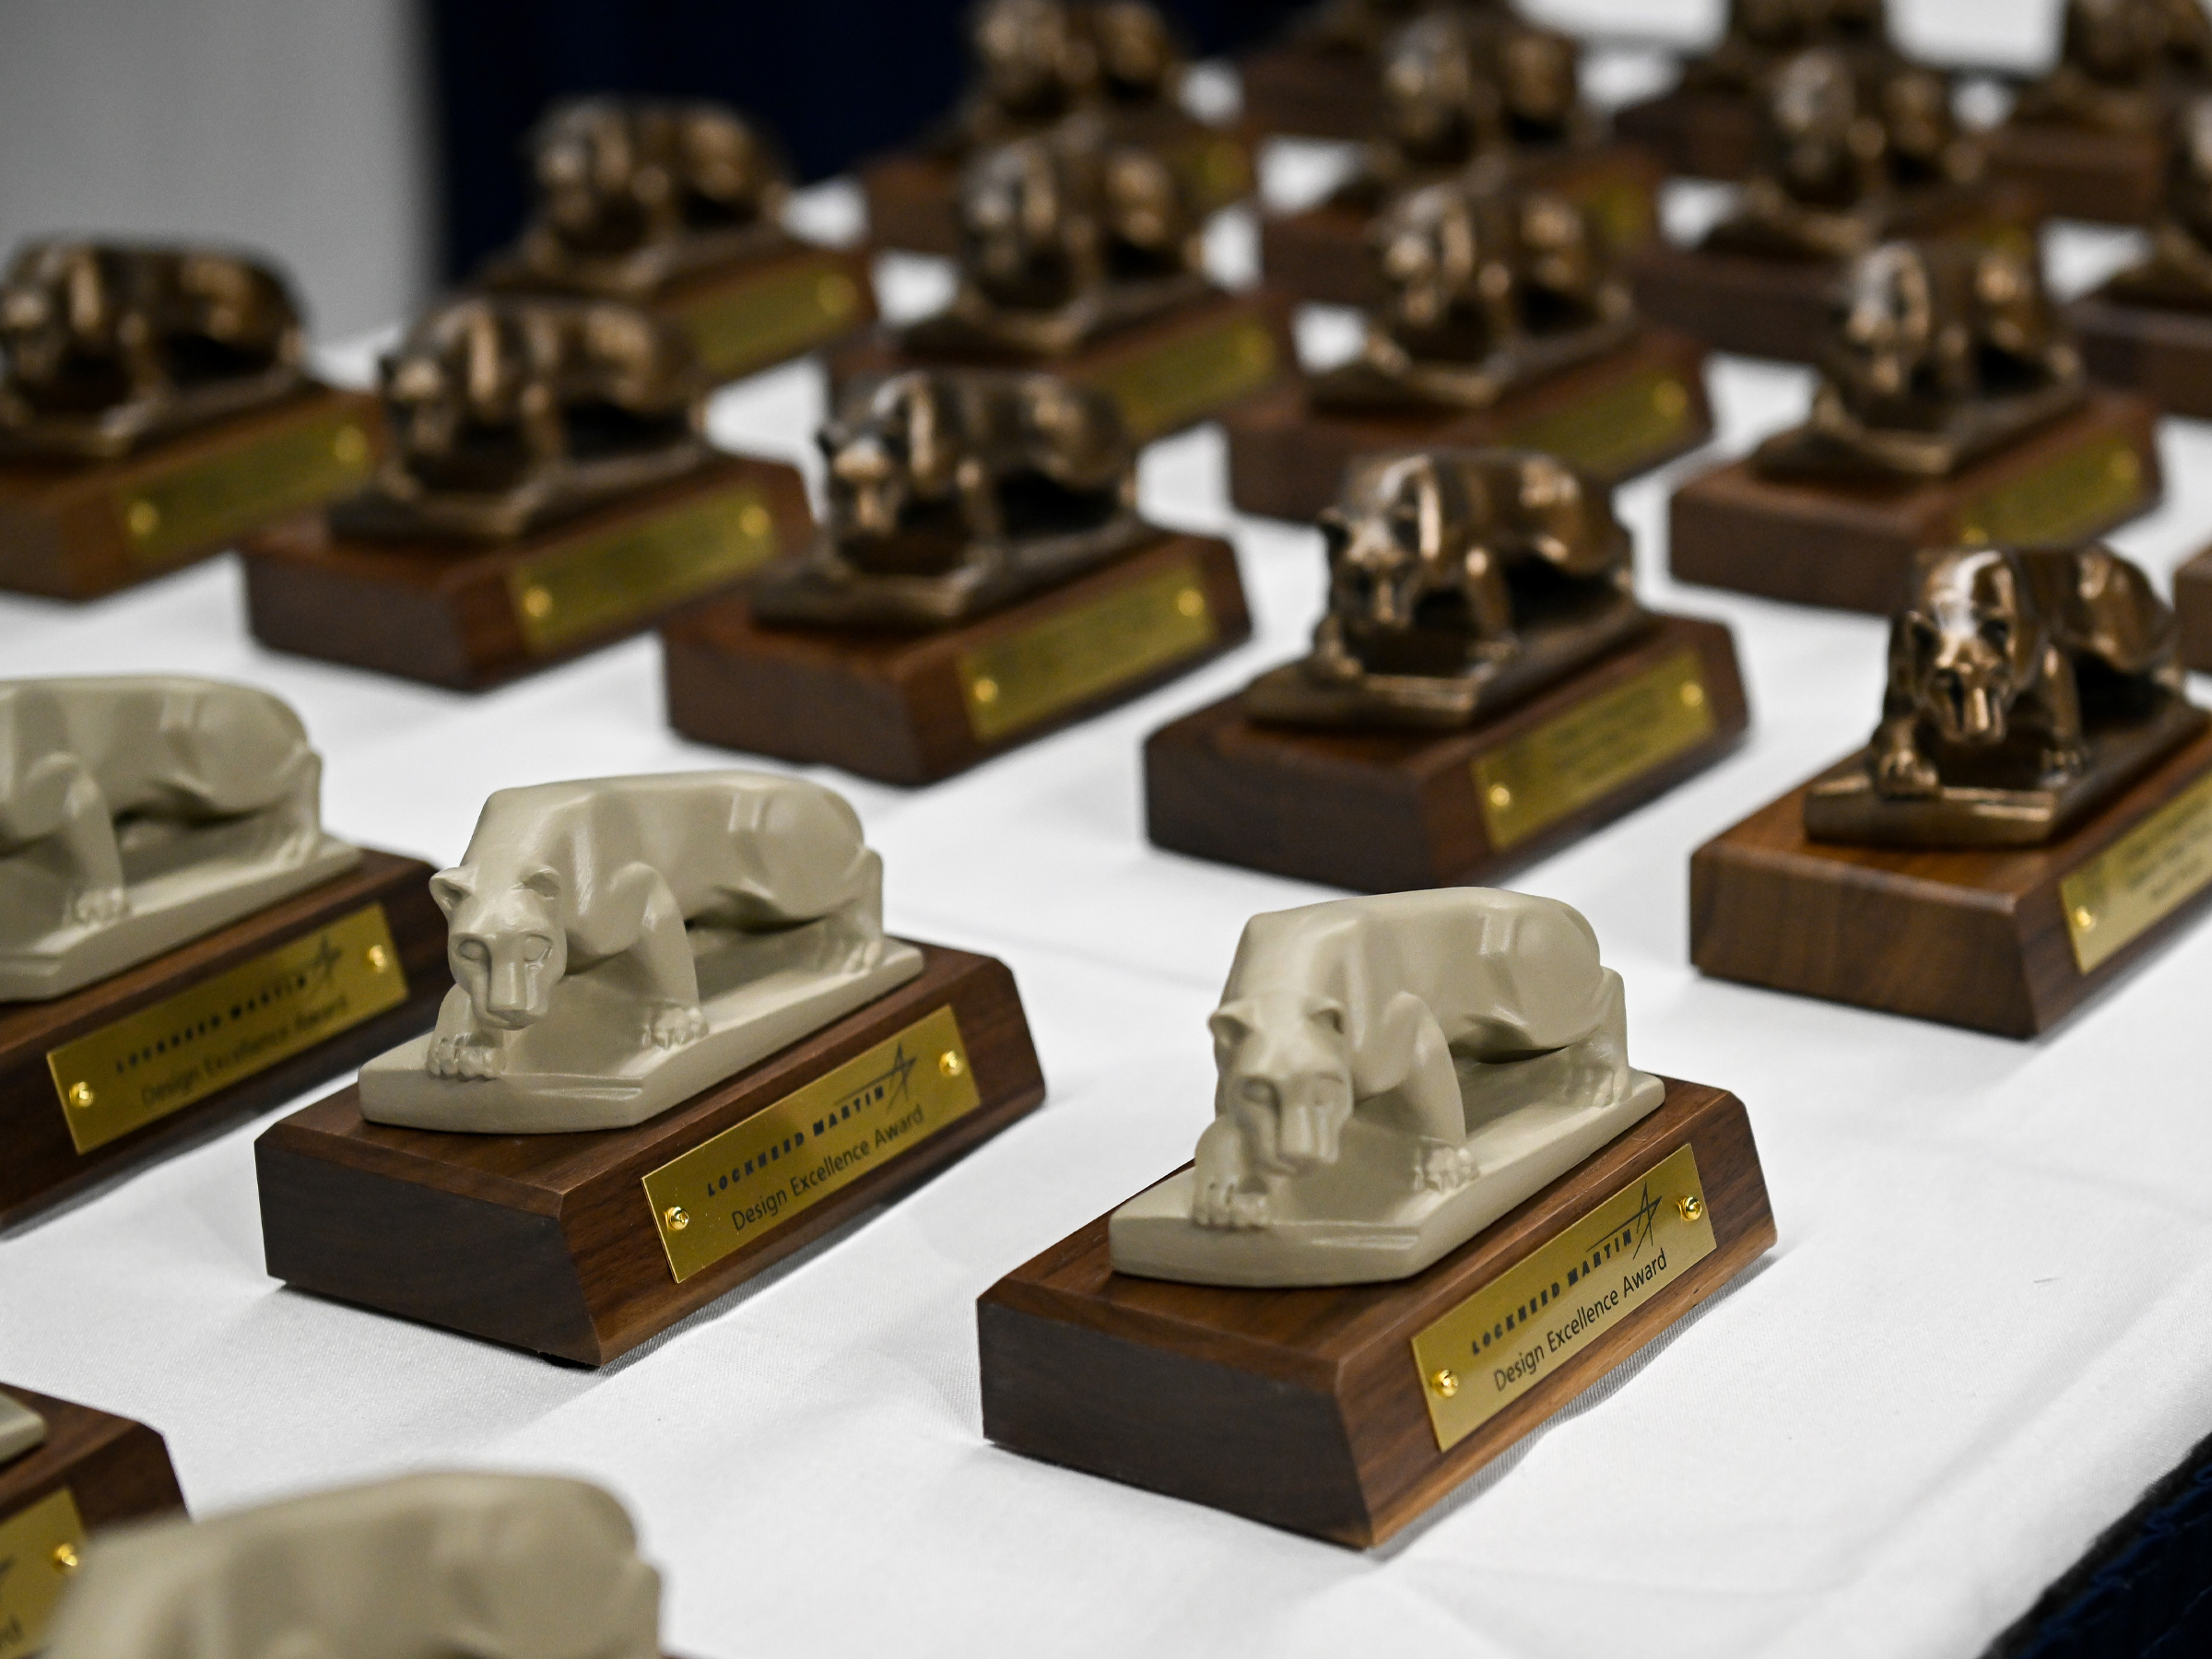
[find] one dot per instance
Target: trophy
(1434, 1204)
(677, 207)
(1325, 79)
(156, 407)
(550, 490)
(656, 1073)
(2091, 137)
(180, 944)
(1857, 150)
(1952, 410)
(1708, 124)
(2032, 814)
(1482, 690)
(1464, 90)
(983, 576)
(66, 1471)
(1503, 319)
(1084, 254)
(456, 1562)
(1038, 63)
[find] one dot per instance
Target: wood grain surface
(116, 1469)
(2110, 177)
(1315, 93)
(2165, 354)
(2193, 604)
(1702, 135)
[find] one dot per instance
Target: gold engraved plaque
(752, 1178)
(1190, 376)
(1616, 429)
(1559, 1300)
(206, 501)
(1214, 166)
(1589, 751)
(741, 326)
(2064, 501)
(1621, 203)
(1081, 653)
(39, 1550)
(2161, 864)
(567, 594)
(225, 1029)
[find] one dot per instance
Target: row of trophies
(611, 1077)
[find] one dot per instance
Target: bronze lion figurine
(2122, 64)
(1760, 34)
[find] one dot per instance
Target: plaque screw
(1670, 399)
(949, 1062)
(984, 690)
(538, 603)
(350, 446)
(1693, 1208)
(1446, 1382)
(80, 1095)
(1693, 696)
(1190, 602)
(1973, 535)
(65, 1558)
(144, 518)
(1500, 796)
(753, 519)
(676, 1217)
(378, 959)
(2084, 917)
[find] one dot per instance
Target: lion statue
(1039, 62)
(1458, 85)
(112, 345)
(2122, 64)
(1760, 34)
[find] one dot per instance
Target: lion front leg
(2053, 705)
(461, 1050)
(1226, 1193)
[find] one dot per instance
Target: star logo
(323, 964)
(1644, 1219)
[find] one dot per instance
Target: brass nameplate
(755, 1176)
(2062, 501)
(784, 311)
(567, 594)
(1214, 168)
(210, 501)
(1617, 428)
(1190, 376)
(225, 1029)
(2161, 864)
(1085, 650)
(1622, 204)
(38, 1549)
(1591, 750)
(1558, 1301)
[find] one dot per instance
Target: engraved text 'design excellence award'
(1952, 411)
(1503, 319)
(66, 1471)
(680, 1047)
(550, 490)
(1465, 92)
(156, 407)
(1483, 689)
(677, 208)
(180, 942)
(2032, 816)
(1435, 1203)
(1038, 63)
(1856, 150)
(983, 578)
(1083, 256)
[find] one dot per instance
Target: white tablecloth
(1986, 1327)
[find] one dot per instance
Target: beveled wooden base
(753, 314)
(2113, 179)
(1851, 545)
(79, 529)
(1168, 373)
(2163, 353)
(1992, 940)
(550, 1242)
(1702, 135)
(1388, 812)
(1614, 417)
(913, 708)
(471, 614)
(42, 1165)
(1305, 1408)
(1315, 93)
(2193, 605)
(1322, 255)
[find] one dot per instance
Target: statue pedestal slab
(2193, 605)
(1389, 811)
(470, 614)
(1613, 417)
(2003, 941)
(79, 529)
(1344, 1412)
(1850, 543)
(2165, 353)
(1702, 135)
(582, 1246)
(911, 708)
(2110, 177)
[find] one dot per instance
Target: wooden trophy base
(1311, 91)
(1322, 255)
(1389, 812)
(754, 314)
(1851, 545)
(79, 529)
(2009, 941)
(1170, 373)
(1344, 1412)
(582, 1246)
(1613, 417)
(472, 613)
(1701, 135)
(2193, 605)
(2165, 353)
(911, 708)
(124, 1071)
(91, 1472)
(2111, 178)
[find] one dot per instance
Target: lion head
(1973, 638)
(508, 949)
(1381, 541)
(1286, 1078)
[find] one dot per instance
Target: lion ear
(544, 881)
(451, 888)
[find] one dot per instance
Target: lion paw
(2061, 765)
(675, 1026)
(96, 906)
(465, 1055)
(1222, 1203)
(1441, 1167)
(1906, 772)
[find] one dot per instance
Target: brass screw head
(1693, 1208)
(378, 959)
(1693, 696)
(1446, 1382)
(984, 690)
(65, 1558)
(2084, 917)
(676, 1217)
(1973, 535)
(538, 603)
(350, 446)
(1500, 796)
(80, 1095)
(753, 519)
(142, 517)
(950, 1063)
(1190, 602)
